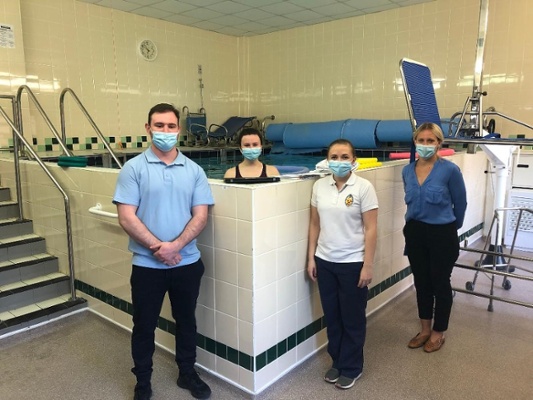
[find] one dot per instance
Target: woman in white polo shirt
(342, 243)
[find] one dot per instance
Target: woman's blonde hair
(430, 126)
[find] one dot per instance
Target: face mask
(252, 153)
(164, 141)
(425, 151)
(340, 168)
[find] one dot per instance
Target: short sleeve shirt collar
(152, 158)
(350, 182)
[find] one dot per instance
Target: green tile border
(235, 356)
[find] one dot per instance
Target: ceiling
(251, 17)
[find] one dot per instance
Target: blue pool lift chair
(196, 127)
(228, 131)
(419, 94)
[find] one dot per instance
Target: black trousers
(344, 306)
(148, 289)
(432, 251)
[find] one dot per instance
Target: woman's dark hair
(342, 141)
(249, 131)
(162, 108)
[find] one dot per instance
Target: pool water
(215, 167)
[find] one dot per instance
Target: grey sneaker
(346, 383)
(332, 375)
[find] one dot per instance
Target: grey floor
(487, 355)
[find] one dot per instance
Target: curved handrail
(43, 114)
(66, 199)
(263, 122)
(86, 113)
(97, 210)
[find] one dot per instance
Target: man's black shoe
(142, 393)
(197, 387)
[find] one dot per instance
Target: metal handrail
(91, 121)
(57, 185)
(16, 157)
(43, 114)
(263, 123)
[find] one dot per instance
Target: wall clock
(147, 50)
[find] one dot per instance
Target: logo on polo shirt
(348, 201)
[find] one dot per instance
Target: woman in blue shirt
(435, 195)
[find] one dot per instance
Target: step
(5, 194)
(14, 227)
(39, 313)
(8, 209)
(24, 293)
(21, 246)
(23, 268)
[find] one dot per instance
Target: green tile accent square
(309, 331)
(260, 361)
(245, 361)
(317, 326)
(41, 147)
(271, 354)
(221, 350)
(233, 355)
(291, 341)
(300, 336)
(171, 327)
(282, 348)
(200, 341)
(210, 345)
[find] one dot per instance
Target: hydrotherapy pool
(215, 167)
(215, 162)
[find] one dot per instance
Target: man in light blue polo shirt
(162, 199)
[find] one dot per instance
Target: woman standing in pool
(342, 243)
(251, 146)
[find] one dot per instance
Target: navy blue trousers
(148, 289)
(432, 251)
(344, 306)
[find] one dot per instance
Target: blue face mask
(164, 141)
(252, 153)
(425, 151)
(340, 168)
